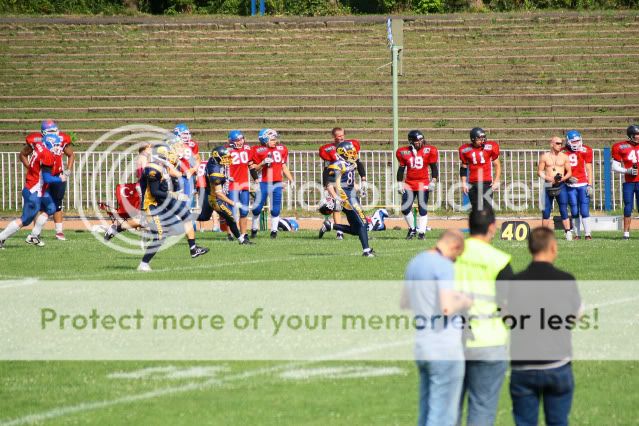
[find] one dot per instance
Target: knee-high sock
(423, 224)
(410, 220)
(586, 222)
(275, 220)
(58, 228)
(255, 223)
(11, 229)
(39, 223)
(576, 225)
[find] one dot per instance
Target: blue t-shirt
(438, 337)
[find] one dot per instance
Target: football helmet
(632, 131)
(51, 141)
(266, 135)
(416, 139)
(182, 131)
(164, 154)
(49, 127)
(236, 139)
(573, 140)
(346, 150)
(327, 206)
(221, 155)
(477, 136)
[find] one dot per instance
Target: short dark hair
(539, 239)
(336, 129)
(480, 220)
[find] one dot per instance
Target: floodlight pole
(395, 52)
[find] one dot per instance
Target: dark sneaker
(626, 238)
(421, 236)
(369, 253)
(34, 240)
(230, 237)
(253, 233)
(110, 232)
(198, 251)
(411, 234)
(1, 244)
(576, 238)
(340, 236)
(273, 235)
(326, 226)
(588, 237)
(246, 240)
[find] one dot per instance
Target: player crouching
(165, 208)
(215, 197)
(341, 186)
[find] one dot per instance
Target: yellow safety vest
(475, 273)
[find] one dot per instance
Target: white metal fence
(520, 185)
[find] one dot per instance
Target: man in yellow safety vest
(477, 272)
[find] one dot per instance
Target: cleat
(253, 233)
(576, 238)
(326, 226)
(1, 244)
(273, 235)
(60, 236)
(340, 235)
(198, 251)
(230, 237)
(411, 234)
(626, 238)
(246, 241)
(144, 267)
(369, 253)
(421, 236)
(110, 232)
(34, 240)
(588, 237)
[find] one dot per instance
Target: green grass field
(272, 392)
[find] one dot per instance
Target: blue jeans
(562, 202)
(556, 386)
(440, 384)
(482, 381)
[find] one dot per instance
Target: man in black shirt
(541, 349)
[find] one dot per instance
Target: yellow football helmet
(347, 151)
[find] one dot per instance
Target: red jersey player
(270, 158)
(35, 192)
(328, 153)
(625, 158)
(580, 183)
(414, 162)
(57, 190)
(239, 178)
(480, 168)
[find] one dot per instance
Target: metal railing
(520, 187)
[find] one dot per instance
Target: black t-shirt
(551, 299)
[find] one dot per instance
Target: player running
(554, 168)
(216, 198)
(164, 205)
(480, 168)
(341, 186)
(35, 194)
(328, 153)
(580, 183)
(239, 178)
(57, 189)
(625, 156)
(415, 183)
(270, 158)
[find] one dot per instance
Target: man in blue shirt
(439, 351)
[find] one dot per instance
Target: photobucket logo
(110, 171)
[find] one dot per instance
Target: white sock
(241, 239)
(410, 220)
(586, 222)
(275, 220)
(576, 225)
(625, 234)
(255, 223)
(58, 228)
(423, 223)
(39, 223)
(11, 229)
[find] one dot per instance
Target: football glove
(573, 180)
(338, 205)
(67, 173)
(178, 196)
(631, 171)
(401, 189)
(590, 191)
(363, 188)
(268, 160)
(432, 186)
